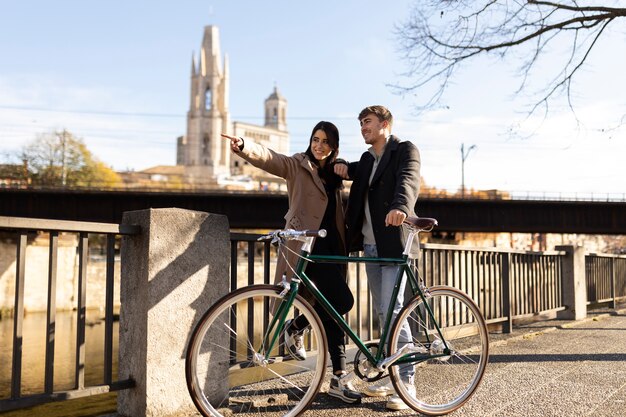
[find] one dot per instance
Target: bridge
(247, 210)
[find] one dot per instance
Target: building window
(205, 145)
(207, 98)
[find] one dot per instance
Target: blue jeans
(381, 280)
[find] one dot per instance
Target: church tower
(202, 154)
(202, 151)
(276, 111)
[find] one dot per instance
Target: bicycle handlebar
(421, 224)
(292, 234)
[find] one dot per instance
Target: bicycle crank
(363, 368)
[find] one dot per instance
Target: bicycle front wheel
(446, 370)
(236, 364)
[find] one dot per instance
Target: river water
(34, 352)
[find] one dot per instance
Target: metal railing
(443, 193)
(506, 284)
(21, 228)
(605, 278)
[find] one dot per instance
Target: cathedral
(202, 152)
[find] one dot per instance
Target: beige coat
(307, 196)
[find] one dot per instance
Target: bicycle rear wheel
(229, 371)
(444, 378)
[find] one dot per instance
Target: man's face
(372, 129)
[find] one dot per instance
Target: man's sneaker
(294, 342)
(379, 390)
(341, 387)
(395, 402)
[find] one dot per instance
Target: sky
(117, 74)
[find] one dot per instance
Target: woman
(314, 192)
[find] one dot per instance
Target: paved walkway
(551, 368)
(548, 368)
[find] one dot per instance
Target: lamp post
(464, 155)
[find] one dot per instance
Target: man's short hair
(381, 112)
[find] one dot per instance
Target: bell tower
(202, 151)
(276, 111)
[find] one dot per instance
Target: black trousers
(330, 280)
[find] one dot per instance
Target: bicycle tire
(442, 383)
(226, 377)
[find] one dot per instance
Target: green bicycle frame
(301, 277)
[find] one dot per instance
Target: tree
(442, 35)
(61, 159)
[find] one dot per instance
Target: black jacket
(395, 186)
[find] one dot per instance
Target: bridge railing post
(507, 312)
(171, 273)
(612, 272)
(574, 286)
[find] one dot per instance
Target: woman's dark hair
(327, 172)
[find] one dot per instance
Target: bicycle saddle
(421, 223)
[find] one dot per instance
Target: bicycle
(239, 340)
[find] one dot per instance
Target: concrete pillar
(574, 286)
(171, 273)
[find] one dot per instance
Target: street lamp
(464, 155)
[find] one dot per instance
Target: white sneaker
(379, 390)
(395, 402)
(341, 387)
(294, 342)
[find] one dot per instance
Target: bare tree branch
(442, 35)
(577, 8)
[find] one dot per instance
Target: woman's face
(320, 147)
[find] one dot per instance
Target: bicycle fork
(262, 357)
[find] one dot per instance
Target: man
(383, 193)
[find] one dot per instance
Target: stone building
(206, 156)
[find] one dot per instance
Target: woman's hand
(236, 143)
